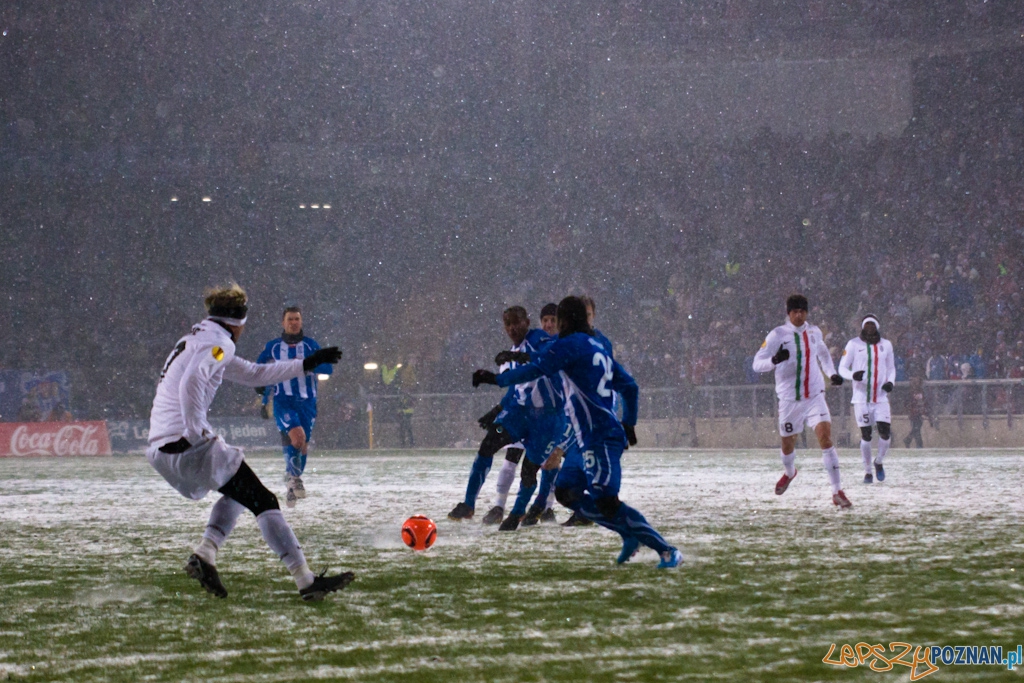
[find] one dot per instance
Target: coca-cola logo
(71, 439)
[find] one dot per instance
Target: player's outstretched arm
(624, 383)
(322, 368)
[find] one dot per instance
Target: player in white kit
(186, 451)
(868, 361)
(798, 355)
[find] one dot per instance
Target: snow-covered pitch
(92, 588)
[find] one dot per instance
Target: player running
(509, 422)
(797, 354)
(186, 451)
(294, 399)
(869, 362)
(590, 478)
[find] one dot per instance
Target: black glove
(858, 376)
(512, 357)
(484, 377)
(260, 390)
(887, 387)
(781, 355)
(630, 434)
(837, 380)
(332, 354)
(264, 412)
(487, 420)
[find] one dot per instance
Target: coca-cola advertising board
(54, 439)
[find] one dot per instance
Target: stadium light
(370, 366)
(314, 206)
(174, 198)
(326, 206)
(207, 200)
(302, 206)
(322, 377)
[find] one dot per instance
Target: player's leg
(916, 424)
(862, 415)
(604, 476)
(829, 456)
(506, 476)
(527, 486)
(883, 418)
(497, 437)
(301, 442)
(246, 489)
(540, 506)
(788, 435)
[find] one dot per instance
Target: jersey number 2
(606, 362)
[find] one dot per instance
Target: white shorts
(867, 414)
(795, 415)
(203, 468)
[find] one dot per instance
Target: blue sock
(477, 476)
(547, 480)
(294, 461)
(588, 508)
(522, 499)
(302, 463)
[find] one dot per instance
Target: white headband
(234, 322)
(870, 319)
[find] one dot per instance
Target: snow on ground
(91, 552)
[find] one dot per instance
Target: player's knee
(884, 430)
(297, 438)
(608, 506)
(568, 497)
(865, 432)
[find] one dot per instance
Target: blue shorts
(289, 414)
(597, 469)
(539, 430)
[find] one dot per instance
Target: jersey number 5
(606, 362)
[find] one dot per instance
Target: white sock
(222, 520)
(505, 478)
(281, 539)
(883, 448)
(830, 459)
(551, 499)
(865, 455)
(789, 463)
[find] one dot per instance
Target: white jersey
(800, 377)
(878, 364)
(191, 376)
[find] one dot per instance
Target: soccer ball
(419, 532)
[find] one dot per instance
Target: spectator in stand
(918, 409)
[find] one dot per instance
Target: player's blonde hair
(226, 296)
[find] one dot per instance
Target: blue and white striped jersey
(539, 393)
(300, 388)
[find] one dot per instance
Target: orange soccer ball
(419, 532)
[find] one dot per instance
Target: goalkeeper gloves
(837, 380)
(630, 434)
(487, 420)
(512, 357)
(484, 377)
(887, 387)
(781, 355)
(331, 355)
(858, 376)
(260, 390)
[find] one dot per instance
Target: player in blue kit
(590, 482)
(522, 409)
(294, 400)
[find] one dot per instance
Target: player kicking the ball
(797, 354)
(186, 451)
(868, 362)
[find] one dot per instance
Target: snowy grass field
(92, 589)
